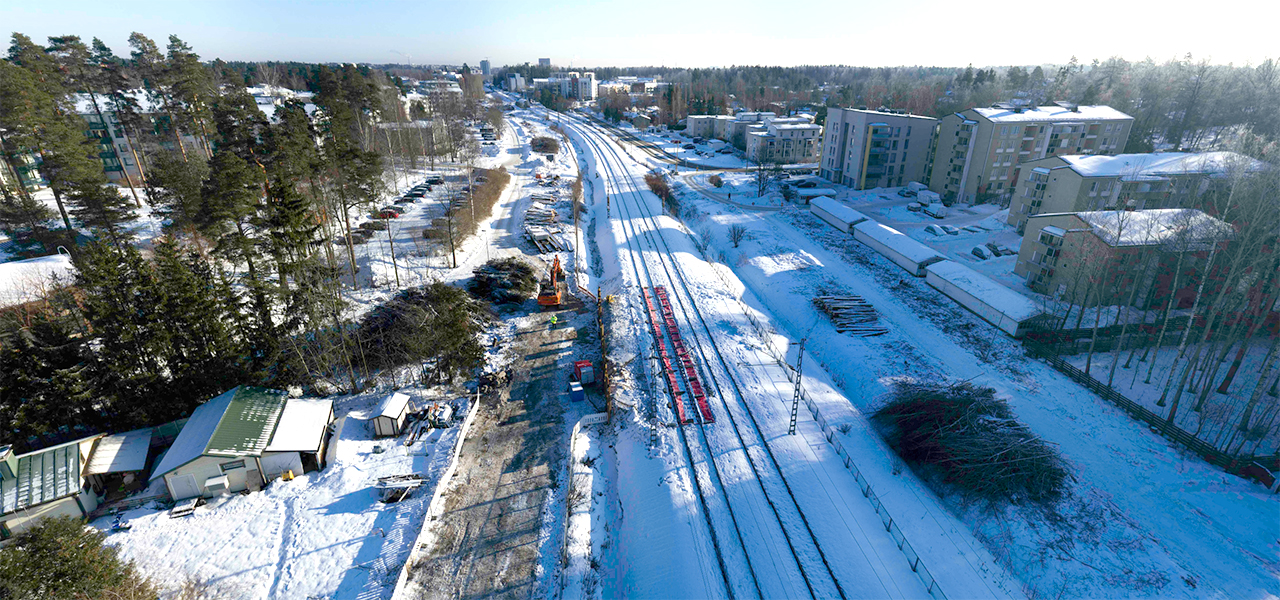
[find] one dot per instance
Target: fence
(913, 558)
(1231, 463)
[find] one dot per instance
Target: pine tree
(175, 191)
(193, 89)
(61, 559)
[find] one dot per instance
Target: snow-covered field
(323, 534)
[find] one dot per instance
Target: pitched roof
(392, 405)
(237, 423)
(1160, 164)
(43, 476)
(1182, 229)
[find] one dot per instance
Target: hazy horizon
(579, 33)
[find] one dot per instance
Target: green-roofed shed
(219, 448)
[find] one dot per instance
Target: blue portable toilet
(575, 392)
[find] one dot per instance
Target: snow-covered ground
(323, 534)
(1143, 518)
(1216, 421)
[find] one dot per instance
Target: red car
(388, 213)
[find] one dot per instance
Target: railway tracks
(752, 513)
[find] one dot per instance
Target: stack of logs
(851, 315)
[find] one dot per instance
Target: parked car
(389, 212)
(950, 230)
(913, 207)
(935, 230)
(980, 252)
(807, 184)
(435, 180)
(356, 239)
(907, 193)
(725, 150)
(373, 226)
(415, 194)
(698, 140)
(688, 146)
(998, 250)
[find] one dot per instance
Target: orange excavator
(549, 292)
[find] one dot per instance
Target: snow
(999, 297)
(23, 281)
(840, 212)
(195, 435)
(1157, 226)
(393, 405)
(1161, 164)
(894, 240)
(302, 425)
(323, 534)
(120, 452)
(1053, 114)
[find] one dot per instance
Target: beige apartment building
(1132, 181)
(708, 126)
(1092, 256)
(979, 151)
(866, 149)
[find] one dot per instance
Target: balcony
(97, 126)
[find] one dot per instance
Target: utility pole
(795, 397)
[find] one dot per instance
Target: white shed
(1010, 311)
(896, 246)
(835, 213)
(391, 415)
(300, 440)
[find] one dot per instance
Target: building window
(908, 131)
(235, 464)
(906, 143)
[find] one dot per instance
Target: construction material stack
(686, 361)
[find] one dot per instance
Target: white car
(950, 230)
(935, 230)
(980, 252)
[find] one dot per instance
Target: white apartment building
(867, 149)
(978, 151)
(786, 140)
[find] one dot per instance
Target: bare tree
(737, 233)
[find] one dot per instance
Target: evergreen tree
(192, 88)
(61, 559)
(175, 191)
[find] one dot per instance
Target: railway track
(722, 446)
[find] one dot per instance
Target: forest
(243, 284)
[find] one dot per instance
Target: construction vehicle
(549, 292)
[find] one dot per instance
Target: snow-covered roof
(120, 452)
(810, 192)
(898, 242)
(1053, 114)
(1159, 165)
(1157, 226)
(838, 210)
(237, 423)
(393, 405)
(23, 281)
(302, 426)
(1010, 303)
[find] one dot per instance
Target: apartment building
(572, 84)
(870, 148)
(1075, 183)
(979, 151)
(785, 140)
(22, 168)
(118, 150)
(708, 126)
(1092, 256)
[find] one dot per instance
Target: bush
(503, 281)
(62, 558)
(658, 185)
(435, 323)
(716, 180)
(544, 145)
(970, 439)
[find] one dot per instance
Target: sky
(676, 33)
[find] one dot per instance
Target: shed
(119, 463)
(301, 438)
(835, 213)
(224, 437)
(1010, 311)
(44, 483)
(896, 246)
(391, 415)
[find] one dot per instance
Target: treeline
(1184, 103)
(243, 286)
